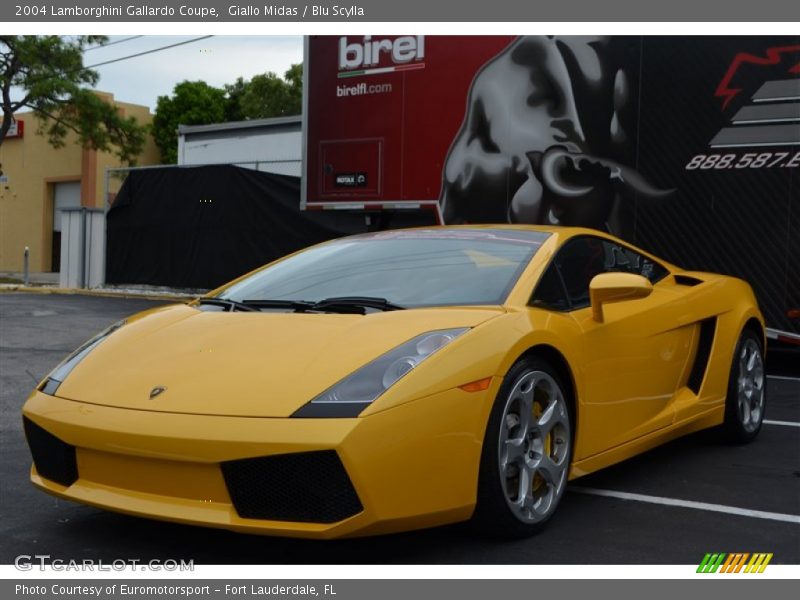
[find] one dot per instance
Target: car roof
(561, 231)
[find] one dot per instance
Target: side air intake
(708, 328)
(687, 280)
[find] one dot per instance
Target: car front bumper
(411, 466)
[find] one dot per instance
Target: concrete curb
(104, 293)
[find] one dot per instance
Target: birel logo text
(364, 58)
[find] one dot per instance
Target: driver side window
(565, 283)
(578, 262)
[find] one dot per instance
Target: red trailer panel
(381, 114)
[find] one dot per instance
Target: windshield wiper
(340, 304)
(296, 305)
(231, 305)
(354, 304)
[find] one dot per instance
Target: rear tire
(747, 390)
(526, 453)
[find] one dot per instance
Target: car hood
(255, 364)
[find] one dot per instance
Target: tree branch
(58, 120)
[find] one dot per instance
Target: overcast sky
(217, 60)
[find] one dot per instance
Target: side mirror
(616, 287)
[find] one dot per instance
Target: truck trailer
(686, 146)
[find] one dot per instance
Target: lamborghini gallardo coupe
(399, 380)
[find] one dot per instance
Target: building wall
(34, 168)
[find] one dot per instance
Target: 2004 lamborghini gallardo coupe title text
(400, 380)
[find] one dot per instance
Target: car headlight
(361, 388)
(59, 374)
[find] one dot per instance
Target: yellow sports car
(399, 380)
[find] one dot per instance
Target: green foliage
(267, 95)
(54, 83)
(191, 103)
(294, 77)
(233, 94)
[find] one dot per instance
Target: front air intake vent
(707, 329)
(54, 459)
(311, 487)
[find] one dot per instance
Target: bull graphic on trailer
(550, 125)
(687, 146)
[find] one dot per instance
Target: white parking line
(783, 377)
(731, 510)
(784, 423)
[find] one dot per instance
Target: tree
(267, 95)
(48, 75)
(294, 77)
(191, 103)
(233, 95)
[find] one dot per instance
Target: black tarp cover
(199, 227)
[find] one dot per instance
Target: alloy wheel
(534, 444)
(750, 385)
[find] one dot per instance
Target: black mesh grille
(305, 486)
(54, 459)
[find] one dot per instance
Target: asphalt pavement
(668, 506)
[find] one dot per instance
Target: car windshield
(409, 268)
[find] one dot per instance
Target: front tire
(747, 390)
(526, 453)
